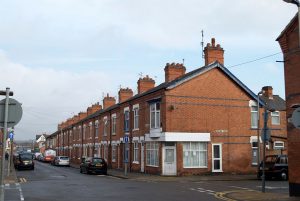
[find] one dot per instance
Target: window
(105, 152)
(91, 130)
(105, 126)
(84, 132)
(155, 115)
(278, 145)
(275, 118)
(96, 129)
(254, 146)
(194, 154)
(254, 117)
(152, 153)
(126, 120)
(136, 118)
(113, 153)
(114, 124)
(136, 152)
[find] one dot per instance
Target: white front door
(142, 158)
(217, 157)
(169, 160)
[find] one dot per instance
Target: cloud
(49, 96)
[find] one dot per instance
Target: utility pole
(4, 142)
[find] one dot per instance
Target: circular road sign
(14, 112)
(296, 118)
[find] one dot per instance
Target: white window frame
(126, 119)
(199, 150)
(114, 124)
(219, 159)
(278, 147)
(253, 105)
(105, 126)
(154, 111)
(96, 129)
(136, 117)
(136, 152)
(275, 114)
(114, 153)
(152, 154)
(91, 130)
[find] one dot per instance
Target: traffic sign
(296, 118)
(14, 112)
(11, 135)
(126, 139)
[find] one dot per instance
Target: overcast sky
(61, 56)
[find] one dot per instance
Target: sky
(61, 56)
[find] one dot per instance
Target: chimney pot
(144, 84)
(174, 71)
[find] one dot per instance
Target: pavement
(237, 195)
(12, 177)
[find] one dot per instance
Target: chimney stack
(125, 94)
(268, 91)
(144, 84)
(82, 115)
(213, 53)
(94, 108)
(173, 71)
(108, 101)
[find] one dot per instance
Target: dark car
(24, 161)
(93, 165)
(276, 166)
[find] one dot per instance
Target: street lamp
(297, 3)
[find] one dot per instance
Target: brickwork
(207, 103)
(289, 43)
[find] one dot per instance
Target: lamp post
(258, 133)
(297, 3)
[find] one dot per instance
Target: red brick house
(289, 43)
(198, 122)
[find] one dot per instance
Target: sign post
(6, 100)
(10, 114)
(126, 140)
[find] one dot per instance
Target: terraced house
(203, 121)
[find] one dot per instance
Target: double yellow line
(22, 180)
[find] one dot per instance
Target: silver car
(61, 161)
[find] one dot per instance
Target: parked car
(23, 161)
(276, 166)
(49, 155)
(36, 155)
(61, 160)
(93, 165)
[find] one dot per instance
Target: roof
(180, 80)
(277, 102)
(37, 137)
(288, 26)
(205, 69)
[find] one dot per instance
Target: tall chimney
(82, 115)
(213, 53)
(76, 119)
(268, 91)
(125, 94)
(108, 101)
(173, 71)
(144, 84)
(94, 108)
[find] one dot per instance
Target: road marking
(240, 187)
(22, 180)
(20, 191)
(271, 187)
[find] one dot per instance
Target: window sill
(195, 167)
(135, 129)
(217, 170)
(113, 161)
(135, 162)
(152, 166)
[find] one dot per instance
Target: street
(50, 183)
